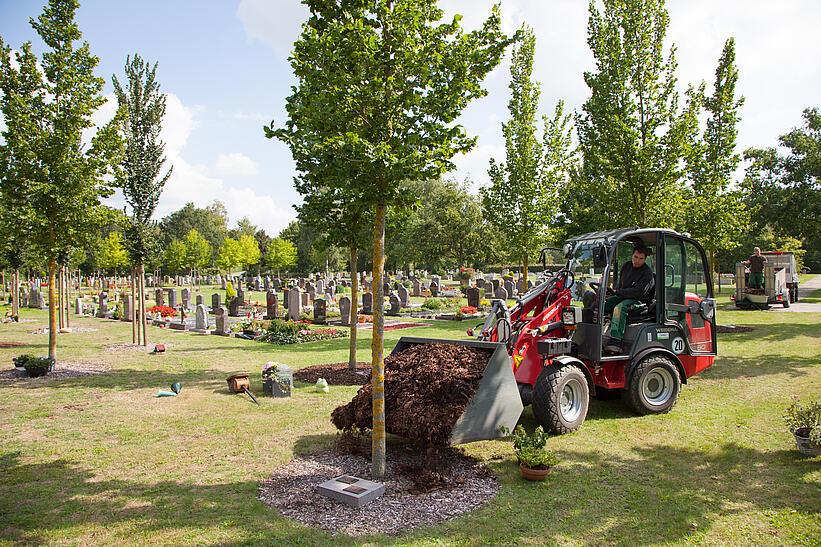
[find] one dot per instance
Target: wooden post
(52, 309)
(377, 350)
(354, 309)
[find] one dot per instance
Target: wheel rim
(657, 386)
(571, 401)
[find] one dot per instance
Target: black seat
(645, 308)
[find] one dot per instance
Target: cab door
(688, 301)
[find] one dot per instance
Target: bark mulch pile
(729, 329)
(337, 374)
(427, 387)
(449, 484)
(11, 344)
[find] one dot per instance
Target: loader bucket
(496, 401)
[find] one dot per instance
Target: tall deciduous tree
(381, 84)
(111, 253)
(716, 215)
(198, 251)
(229, 255)
(248, 250)
(281, 254)
(522, 199)
(142, 108)
(631, 133)
(57, 181)
(783, 190)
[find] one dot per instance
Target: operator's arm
(636, 284)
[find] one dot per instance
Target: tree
(55, 179)
(281, 254)
(176, 256)
(783, 191)
(522, 199)
(716, 215)
(198, 252)
(632, 136)
(380, 85)
(142, 106)
(248, 250)
(211, 222)
(229, 255)
(111, 254)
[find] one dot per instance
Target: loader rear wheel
(654, 386)
(561, 398)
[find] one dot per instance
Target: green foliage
(784, 192)
(433, 304)
(229, 291)
(229, 255)
(38, 366)
(21, 360)
(717, 217)
(281, 254)
(211, 222)
(805, 420)
(143, 107)
(632, 136)
(118, 311)
(198, 251)
(175, 257)
(530, 449)
(248, 250)
(522, 199)
(287, 332)
(111, 254)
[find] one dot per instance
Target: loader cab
(676, 314)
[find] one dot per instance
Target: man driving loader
(636, 280)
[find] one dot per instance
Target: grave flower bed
(164, 311)
(287, 332)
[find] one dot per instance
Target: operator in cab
(636, 280)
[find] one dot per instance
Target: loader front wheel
(561, 398)
(654, 386)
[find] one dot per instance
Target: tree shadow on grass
(770, 332)
(123, 379)
(726, 368)
(654, 494)
(40, 502)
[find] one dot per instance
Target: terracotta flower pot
(533, 474)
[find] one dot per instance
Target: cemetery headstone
(345, 310)
(320, 311)
(200, 299)
(501, 293)
(78, 306)
(285, 297)
(240, 295)
(395, 305)
(158, 297)
(294, 303)
(201, 320)
(480, 282)
(367, 303)
(434, 289)
(404, 297)
(103, 301)
(216, 301)
(473, 294)
(233, 306)
(186, 297)
(306, 299)
(417, 288)
(172, 298)
(222, 321)
(271, 305)
(509, 288)
(128, 308)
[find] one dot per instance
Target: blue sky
(224, 65)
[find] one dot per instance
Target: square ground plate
(351, 490)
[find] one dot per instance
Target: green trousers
(756, 280)
(618, 306)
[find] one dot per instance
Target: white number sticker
(678, 345)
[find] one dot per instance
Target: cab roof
(619, 233)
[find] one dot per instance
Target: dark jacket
(635, 283)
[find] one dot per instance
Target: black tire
(654, 386)
(548, 407)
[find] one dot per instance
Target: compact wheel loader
(552, 341)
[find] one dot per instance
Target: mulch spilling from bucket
(456, 486)
(427, 388)
(337, 374)
(729, 329)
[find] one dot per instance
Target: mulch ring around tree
(416, 494)
(62, 370)
(427, 388)
(121, 348)
(729, 329)
(337, 374)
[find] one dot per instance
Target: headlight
(571, 315)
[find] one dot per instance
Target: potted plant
(38, 366)
(21, 360)
(535, 461)
(805, 424)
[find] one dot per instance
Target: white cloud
(278, 23)
(236, 164)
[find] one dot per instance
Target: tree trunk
(52, 309)
(60, 298)
(143, 321)
(15, 293)
(68, 296)
(524, 274)
(377, 357)
(133, 308)
(354, 309)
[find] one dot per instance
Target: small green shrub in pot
(804, 421)
(39, 366)
(530, 448)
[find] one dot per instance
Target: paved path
(804, 290)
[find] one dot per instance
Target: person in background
(756, 264)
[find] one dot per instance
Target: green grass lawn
(99, 460)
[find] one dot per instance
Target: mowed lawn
(100, 460)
